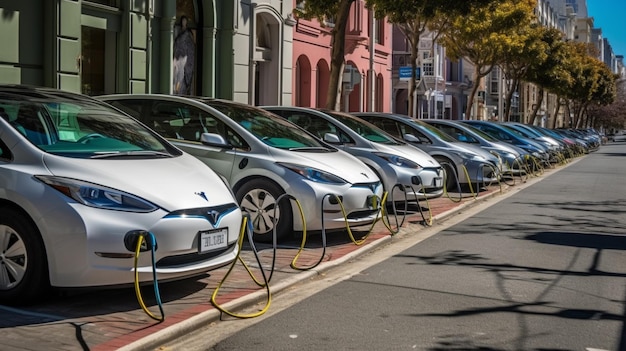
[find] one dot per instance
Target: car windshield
(483, 135)
(364, 129)
(83, 129)
(432, 130)
(267, 127)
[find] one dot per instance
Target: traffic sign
(405, 73)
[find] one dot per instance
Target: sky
(610, 16)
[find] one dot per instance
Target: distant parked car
(264, 157)
(511, 155)
(457, 158)
(81, 183)
(393, 160)
(499, 132)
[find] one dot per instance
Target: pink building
(372, 70)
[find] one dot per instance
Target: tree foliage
(413, 17)
(551, 70)
(484, 36)
(612, 116)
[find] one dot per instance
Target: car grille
(180, 260)
(372, 186)
(361, 214)
(212, 214)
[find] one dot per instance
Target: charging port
(131, 238)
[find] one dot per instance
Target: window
(428, 69)
(380, 31)
(493, 82)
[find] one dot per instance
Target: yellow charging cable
(140, 241)
(244, 228)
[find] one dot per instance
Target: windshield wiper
(142, 153)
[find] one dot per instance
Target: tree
(611, 116)
(605, 92)
(592, 82)
(413, 17)
(482, 35)
(524, 48)
(336, 12)
(551, 70)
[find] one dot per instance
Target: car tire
(23, 262)
(451, 177)
(257, 198)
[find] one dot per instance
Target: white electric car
(265, 158)
(409, 172)
(81, 182)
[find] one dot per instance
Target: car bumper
(328, 206)
(86, 245)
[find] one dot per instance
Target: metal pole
(372, 78)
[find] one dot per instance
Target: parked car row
(83, 179)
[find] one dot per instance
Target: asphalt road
(543, 269)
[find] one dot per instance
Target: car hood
(501, 145)
(474, 149)
(409, 152)
(171, 183)
(339, 163)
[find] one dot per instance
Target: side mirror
(213, 139)
(331, 138)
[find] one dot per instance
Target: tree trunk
(556, 112)
(337, 55)
(509, 96)
(470, 98)
(533, 115)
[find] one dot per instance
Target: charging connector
(132, 237)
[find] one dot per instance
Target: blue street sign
(405, 73)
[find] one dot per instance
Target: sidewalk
(114, 319)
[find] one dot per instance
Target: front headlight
(506, 155)
(314, 174)
(94, 195)
(398, 160)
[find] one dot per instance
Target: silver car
(512, 156)
(264, 157)
(81, 183)
(463, 163)
(394, 161)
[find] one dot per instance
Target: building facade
(366, 83)
(239, 50)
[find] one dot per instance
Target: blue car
(502, 133)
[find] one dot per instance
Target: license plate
(212, 239)
(438, 181)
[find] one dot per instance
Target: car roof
(36, 93)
